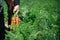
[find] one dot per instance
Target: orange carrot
(13, 20)
(17, 21)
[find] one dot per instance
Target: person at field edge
(2, 26)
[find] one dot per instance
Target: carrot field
(40, 20)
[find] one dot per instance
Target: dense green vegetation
(41, 21)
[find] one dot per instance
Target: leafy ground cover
(40, 21)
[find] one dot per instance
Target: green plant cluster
(40, 21)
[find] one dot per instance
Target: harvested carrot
(17, 21)
(13, 20)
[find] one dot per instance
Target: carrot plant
(40, 21)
